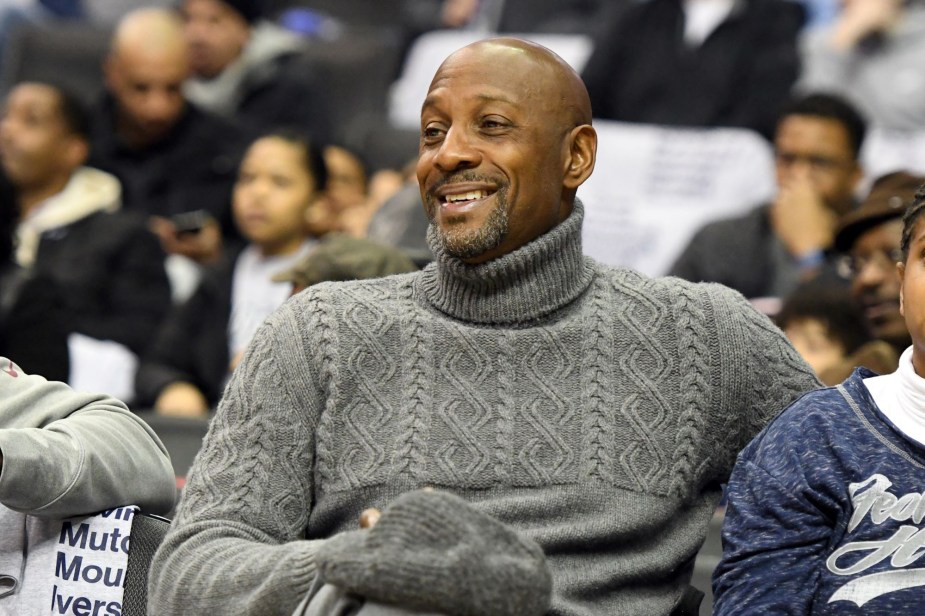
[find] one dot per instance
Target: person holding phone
(280, 179)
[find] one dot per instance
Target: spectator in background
(32, 317)
(697, 63)
(191, 358)
(825, 506)
(828, 329)
(401, 222)
(70, 229)
(520, 16)
(771, 249)
(346, 201)
(873, 55)
(244, 68)
(870, 240)
(171, 158)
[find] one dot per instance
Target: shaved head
(152, 32)
(506, 140)
(561, 87)
(147, 65)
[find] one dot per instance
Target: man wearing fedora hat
(869, 238)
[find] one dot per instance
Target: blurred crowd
(222, 155)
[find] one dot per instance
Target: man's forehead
(36, 96)
(490, 63)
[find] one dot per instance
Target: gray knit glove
(431, 551)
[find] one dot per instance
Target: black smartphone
(189, 222)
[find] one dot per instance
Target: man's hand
(369, 517)
(801, 218)
(861, 18)
(182, 400)
(203, 246)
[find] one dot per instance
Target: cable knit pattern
(592, 408)
(695, 389)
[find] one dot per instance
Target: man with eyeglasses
(774, 247)
(869, 240)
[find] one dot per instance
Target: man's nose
(457, 151)
(871, 273)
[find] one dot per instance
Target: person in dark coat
(248, 69)
(70, 228)
(695, 63)
(32, 321)
(171, 158)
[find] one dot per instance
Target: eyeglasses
(850, 266)
(815, 163)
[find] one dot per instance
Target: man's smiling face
(494, 149)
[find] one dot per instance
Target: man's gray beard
(467, 244)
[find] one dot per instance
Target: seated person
(171, 157)
(195, 351)
(71, 228)
(32, 318)
(66, 454)
(873, 54)
(696, 63)
(828, 329)
(590, 408)
(869, 239)
(243, 68)
(825, 512)
(770, 250)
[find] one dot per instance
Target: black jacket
(641, 70)
(193, 168)
(111, 269)
(33, 323)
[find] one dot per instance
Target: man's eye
(432, 132)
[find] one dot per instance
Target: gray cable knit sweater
(592, 409)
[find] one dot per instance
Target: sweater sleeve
(777, 526)
(66, 453)
(237, 543)
(760, 375)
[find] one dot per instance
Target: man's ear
(901, 270)
(579, 162)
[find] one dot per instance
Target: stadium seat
(67, 53)
(653, 187)
(147, 533)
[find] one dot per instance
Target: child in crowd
(825, 512)
(279, 181)
(828, 329)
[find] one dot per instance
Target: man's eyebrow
(485, 98)
(497, 98)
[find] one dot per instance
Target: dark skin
(508, 123)
(511, 121)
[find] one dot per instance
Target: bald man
(171, 158)
(588, 408)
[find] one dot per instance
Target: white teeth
(468, 196)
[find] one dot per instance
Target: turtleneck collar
(901, 397)
(520, 287)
